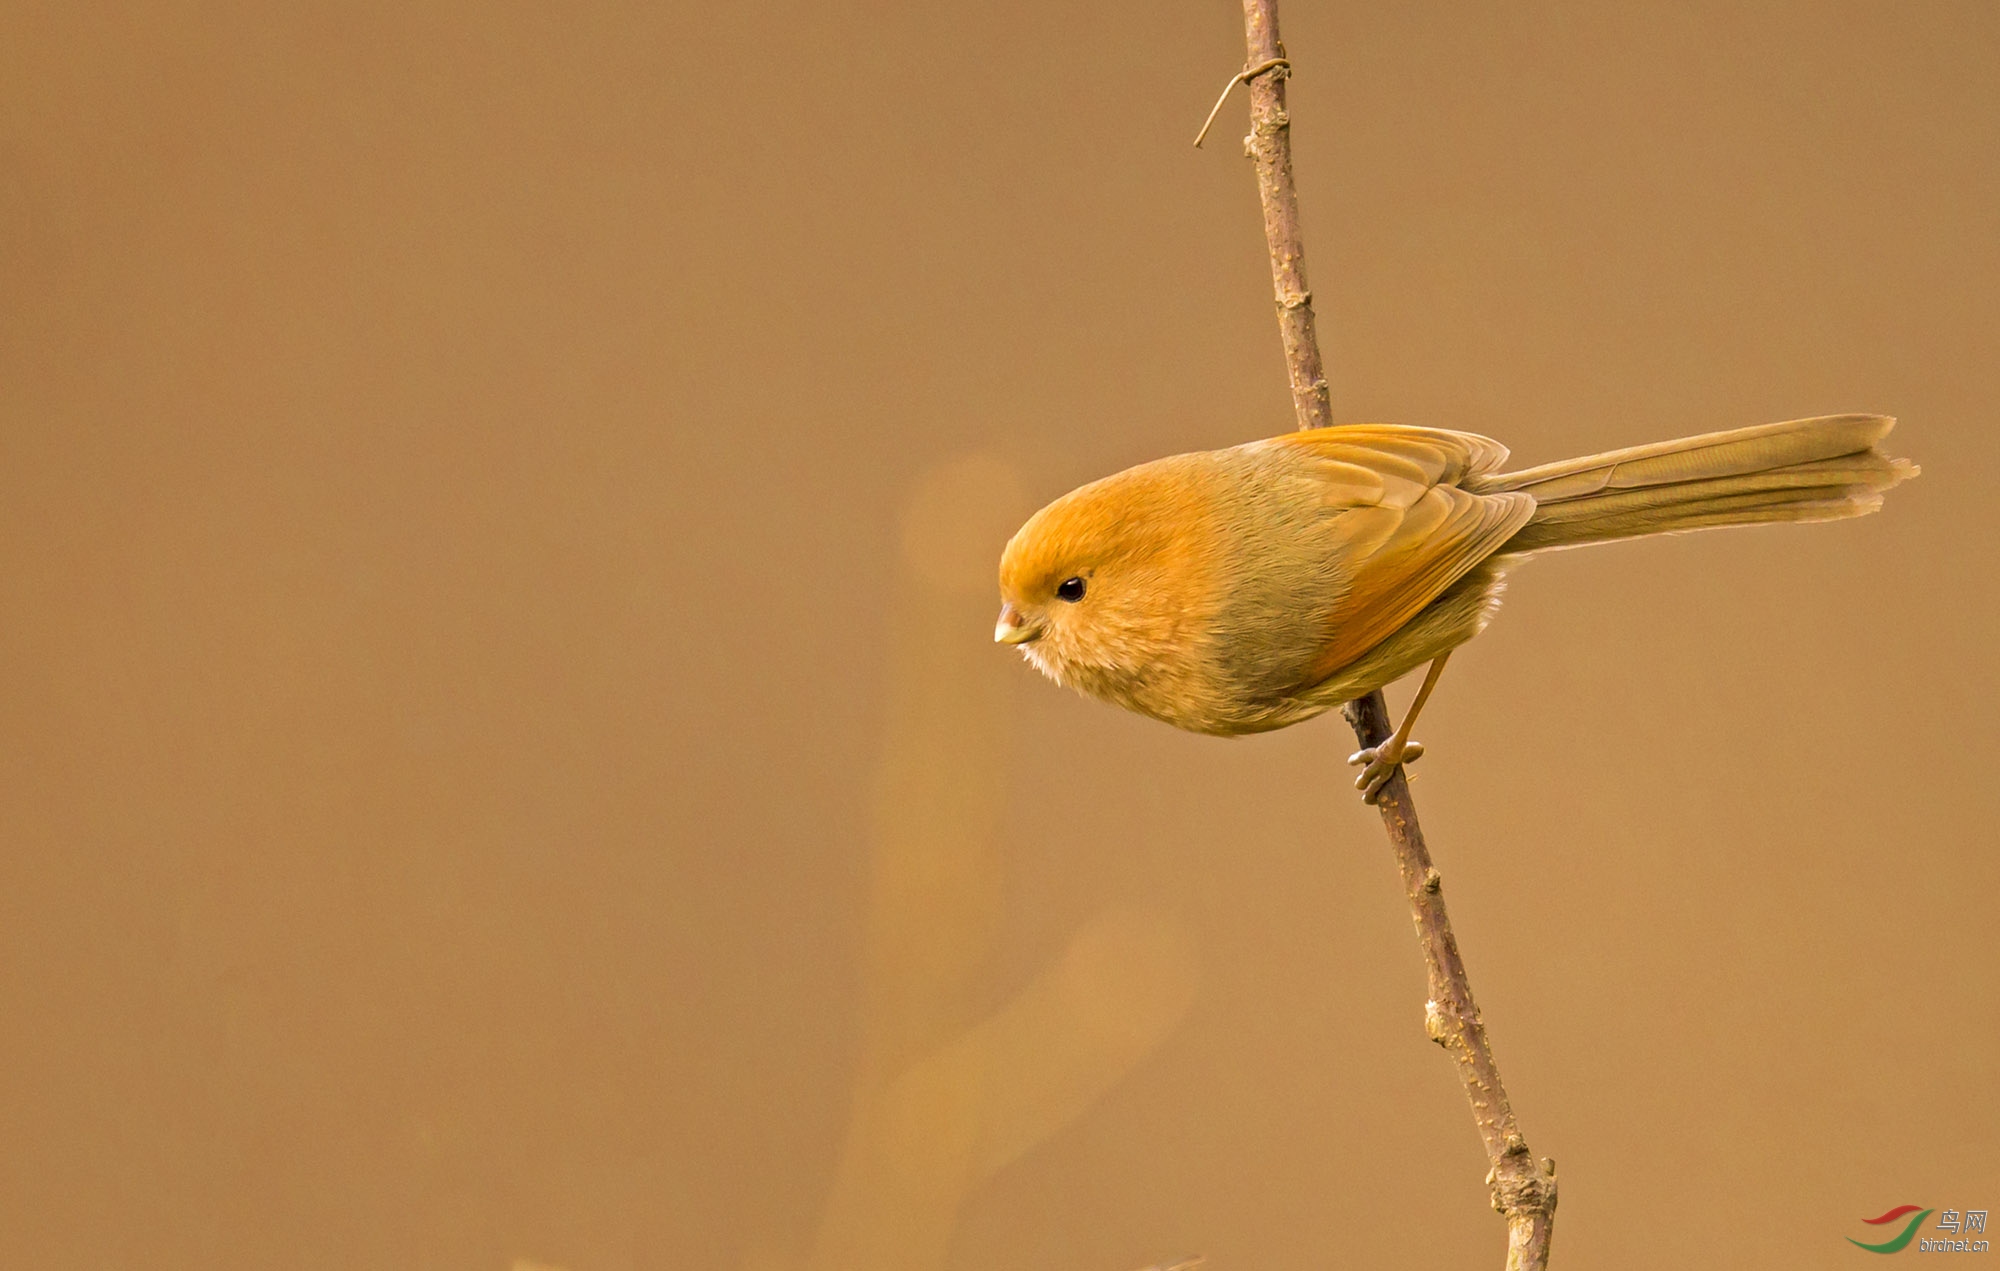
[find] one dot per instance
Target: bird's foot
(1382, 762)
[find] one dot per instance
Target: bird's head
(1102, 587)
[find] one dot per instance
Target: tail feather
(1803, 470)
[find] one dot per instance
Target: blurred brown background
(502, 760)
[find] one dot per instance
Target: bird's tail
(1820, 469)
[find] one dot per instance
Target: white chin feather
(1039, 659)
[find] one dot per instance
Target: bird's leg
(1382, 760)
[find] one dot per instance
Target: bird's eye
(1071, 590)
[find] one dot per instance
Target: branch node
(1519, 1192)
(1433, 881)
(1243, 76)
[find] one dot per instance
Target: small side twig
(1247, 73)
(1523, 1191)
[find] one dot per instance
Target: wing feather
(1406, 536)
(1441, 455)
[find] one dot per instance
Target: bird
(1246, 589)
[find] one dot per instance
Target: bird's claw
(1382, 762)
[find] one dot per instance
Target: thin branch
(1269, 146)
(1522, 1191)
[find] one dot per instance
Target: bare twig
(1523, 1191)
(1269, 146)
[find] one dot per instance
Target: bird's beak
(1013, 628)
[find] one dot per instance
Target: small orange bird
(1236, 591)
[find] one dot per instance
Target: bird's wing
(1402, 530)
(1432, 455)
